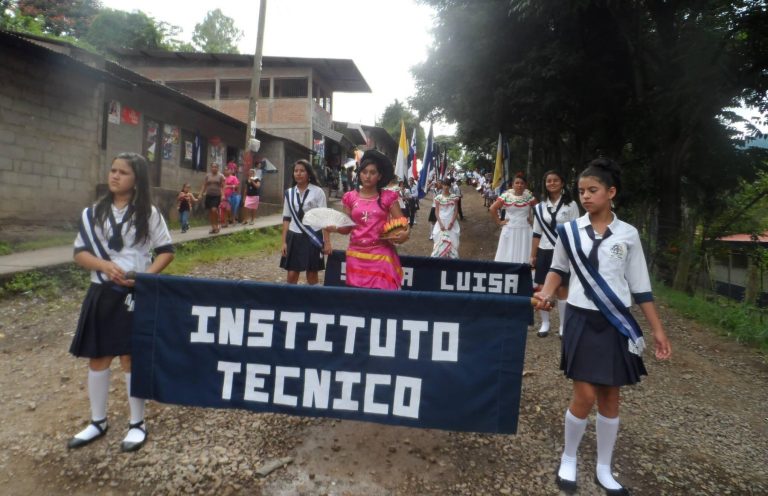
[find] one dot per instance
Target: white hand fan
(319, 218)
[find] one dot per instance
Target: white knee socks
(136, 406)
(544, 329)
(98, 390)
(607, 431)
(574, 431)
(561, 313)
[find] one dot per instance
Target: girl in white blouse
(116, 237)
(602, 343)
(557, 207)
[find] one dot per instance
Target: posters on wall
(188, 150)
(113, 114)
(218, 151)
(151, 141)
(130, 116)
(170, 139)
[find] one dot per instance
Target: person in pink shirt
(372, 262)
(231, 197)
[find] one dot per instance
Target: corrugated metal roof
(341, 74)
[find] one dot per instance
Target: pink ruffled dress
(371, 261)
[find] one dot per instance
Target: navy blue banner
(447, 274)
(419, 359)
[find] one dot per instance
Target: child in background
(117, 236)
(231, 197)
(184, 201)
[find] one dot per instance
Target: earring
(613, 205)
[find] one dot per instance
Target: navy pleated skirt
(543, 263)
(594, 351)
(301, 255)
(106, 320)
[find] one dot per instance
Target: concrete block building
(65, 112)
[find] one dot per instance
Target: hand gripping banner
(419, 359)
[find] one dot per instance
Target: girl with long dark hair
(116, 236)
(303, 248)
(556, 207)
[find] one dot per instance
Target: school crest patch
(618, 251)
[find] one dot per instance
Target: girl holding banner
(372, 262)
(303, 247)
(557, 207)
(515, 238)
(116, 237)
(602, 342)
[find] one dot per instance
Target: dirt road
(697, 425)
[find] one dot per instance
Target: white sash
(290, 196)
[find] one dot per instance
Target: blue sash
(598, 290)
(538, 212)
(92, 243)
(290, 196)
(87, 229)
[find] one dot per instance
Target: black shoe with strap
(127, 446)
(622, 491)
(565, 485)
(77, 442)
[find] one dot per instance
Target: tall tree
(12, 19)
(390, 120)
(217, 33)
(644, 81)
(119, 29)
(62, 17)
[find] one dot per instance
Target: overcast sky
(384, 38)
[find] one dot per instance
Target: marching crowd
(590, 267)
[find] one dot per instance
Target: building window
(199, 90)
(235, 90)
(264, 88)
(291, 87)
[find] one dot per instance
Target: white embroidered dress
(446, 242)
(515, 238)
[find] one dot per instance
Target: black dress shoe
(565, 485)
(126, 446)
(77, 442)
(622, 491)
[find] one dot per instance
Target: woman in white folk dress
(515, 238)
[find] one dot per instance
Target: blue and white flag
(427, 164)
(430, 360)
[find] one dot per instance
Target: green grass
(237, 245)
(50, 283)
(45, 283)
(9, 247)
(745, 323)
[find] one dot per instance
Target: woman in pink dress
(372, 262)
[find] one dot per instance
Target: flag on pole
(498, 171)
(401, 167)
(413, 171)
(426, 164)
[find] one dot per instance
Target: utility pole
(253, 101)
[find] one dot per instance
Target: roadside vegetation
(51, 282)
(746, 324)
